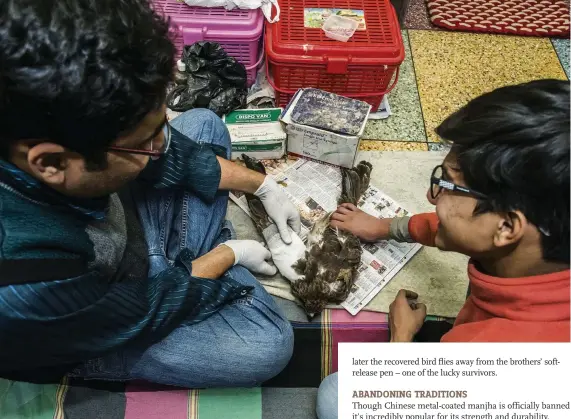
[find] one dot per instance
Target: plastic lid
(180, 65)
(297, 36)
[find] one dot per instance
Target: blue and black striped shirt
(59, 306)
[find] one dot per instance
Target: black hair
(80, 73)
(512, 144)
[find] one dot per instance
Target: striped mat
(290, 394)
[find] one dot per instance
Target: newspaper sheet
(314, 188)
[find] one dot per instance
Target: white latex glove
(252, 255)
(285, 255)
(280, 209)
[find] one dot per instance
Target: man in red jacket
(502, 198)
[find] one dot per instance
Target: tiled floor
(405, 123)
(368, 145)
(454, 67)
(562, 48)
(417, 16)
(443, 70)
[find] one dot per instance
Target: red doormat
(516, 17)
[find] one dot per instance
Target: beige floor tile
(453, 67)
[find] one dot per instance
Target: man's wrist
(238, 178)
(226, 252)
(257, 179)
(213, 264)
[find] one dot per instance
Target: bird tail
(355, 182)
(259, 215)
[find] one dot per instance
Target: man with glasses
(502, 198)
(115, 258)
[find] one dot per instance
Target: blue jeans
(246, 342)
(327, 397)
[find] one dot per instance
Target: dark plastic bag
(215, 81)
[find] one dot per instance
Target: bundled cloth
(265, 5)
(214, 81)
(261, 94)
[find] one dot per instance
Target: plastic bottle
(180, 76)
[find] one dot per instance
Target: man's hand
(277, 205)
(349, 218)
(405, 317)
(280, 209)
(252, 255)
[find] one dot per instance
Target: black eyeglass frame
(444, 184)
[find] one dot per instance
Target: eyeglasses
(437, 183)
(155, 154)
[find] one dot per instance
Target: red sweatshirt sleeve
(422, 228)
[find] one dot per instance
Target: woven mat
(291, 394)
(545, 18)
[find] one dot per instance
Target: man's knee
(327, 398)
(276, 351)
(269, 356)
(203, 126)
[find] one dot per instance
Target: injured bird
(323, 270)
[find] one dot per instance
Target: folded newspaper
(314, 188)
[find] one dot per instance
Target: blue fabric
(327, 398)
(70, 320)
(244, 343)
(192, 165)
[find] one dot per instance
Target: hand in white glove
(252, 255)
(285, 255)
(280, 209)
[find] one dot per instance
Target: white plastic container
(339, 28)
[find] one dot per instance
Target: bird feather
(259, 215)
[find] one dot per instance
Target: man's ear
(47, 162)
(510, 229)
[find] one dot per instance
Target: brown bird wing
(329, 270)
(350, 187)
(354, 182)
(330, 243)
(350, 259)
(259, 215)
(364, 169)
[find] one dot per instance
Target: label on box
(261, 151)
(322, 146)
(255, 125)
(248, 148)
(315, 17)
(253, 116)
